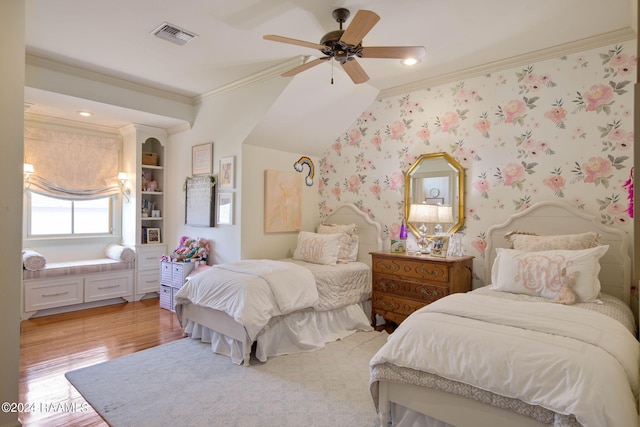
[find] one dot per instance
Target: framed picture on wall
(202, 159)
(153, 235)
(226, 173)
(225, 208)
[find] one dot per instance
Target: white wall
(11, 131)
(255, 242)
(225, 120)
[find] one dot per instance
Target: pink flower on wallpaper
(376, 141)
(615, 209)
(355, 136)
(336, 192)
(624, 63)
(337, 147)
(480, 245)
(424, 134)
(482, 185)
(595, 168)
(376, 190)
(394, 230)
(512, 173)
(411, 107)
(397, 129)
(366, 117)
(557, 115)
(353, 184)
(555, 182)
(449, 121)
(514, 110)
(396, 180)
(483, 125)
(597, 96)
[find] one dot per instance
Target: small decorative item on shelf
(191, 250)
(399, 246)
(150, 158)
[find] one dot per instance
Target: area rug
(184, 383)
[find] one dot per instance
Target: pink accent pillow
(542, 273)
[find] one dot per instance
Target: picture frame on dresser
(439, 246)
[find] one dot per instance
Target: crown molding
(605, 39)
(48, 64)
(31, 118)
(263, 75)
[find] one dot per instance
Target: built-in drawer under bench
(68, 284)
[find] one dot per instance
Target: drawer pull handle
(388, 305)
(430, 292)
(429, 272)
(388, 285)
(390, 267)
(152, 281)
(108, 287)
(55, 295)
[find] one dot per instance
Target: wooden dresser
(403, 283)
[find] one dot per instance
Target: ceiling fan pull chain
(333, 64)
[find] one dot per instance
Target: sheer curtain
(72, 165)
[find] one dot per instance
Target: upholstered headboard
(551, 217)
(369, 231)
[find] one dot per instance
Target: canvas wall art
(283, 201)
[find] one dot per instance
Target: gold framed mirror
(435, 179)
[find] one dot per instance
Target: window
(50, 216)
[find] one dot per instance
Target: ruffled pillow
(523, 241)
(120, 253)
(349, 242)
(32, 260)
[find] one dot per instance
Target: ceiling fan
(345, 45)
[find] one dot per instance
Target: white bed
(463, 388)
(332, 318)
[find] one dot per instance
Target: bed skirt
(298, 332)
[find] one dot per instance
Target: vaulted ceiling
(78, 50)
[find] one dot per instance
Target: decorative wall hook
(304, 160)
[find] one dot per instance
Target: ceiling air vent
(173, 34)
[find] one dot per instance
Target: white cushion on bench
(59, 269)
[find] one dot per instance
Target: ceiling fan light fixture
(410, 61)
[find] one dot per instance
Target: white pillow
(32, 260)
(318, 248)
(353, 248)
(346, 246)
(120, 253)
(540, 273)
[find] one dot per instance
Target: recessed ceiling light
(85, 113)
(410, 61)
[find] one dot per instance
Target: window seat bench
(74, 285)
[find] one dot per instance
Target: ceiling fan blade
(305, 66)
(355, 71)
(399, 52)
(293, 41)
(361, 24)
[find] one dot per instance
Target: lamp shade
(422, 213)
(445, 214)
(28, 168)
(122, 176)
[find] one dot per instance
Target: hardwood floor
(52, 345)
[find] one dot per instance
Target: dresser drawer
(150, 256)
(424, 292)
(418, 270)
(53, 293)
(393, 307)
(149, 281)
(104, 287)
(166, 272)
(180, 272)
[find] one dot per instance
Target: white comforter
(252, 291)
(562, 358)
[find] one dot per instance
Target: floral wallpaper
(559, 129)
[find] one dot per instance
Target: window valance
(72, 165)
